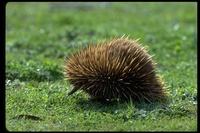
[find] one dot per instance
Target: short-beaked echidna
(120, 69)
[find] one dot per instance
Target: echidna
(117, 70)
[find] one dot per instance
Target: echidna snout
(118, 69)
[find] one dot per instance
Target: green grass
(39, 35)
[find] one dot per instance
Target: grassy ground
(38, 35)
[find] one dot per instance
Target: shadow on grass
(107, 106)
(135, 109)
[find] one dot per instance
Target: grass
(39, 35)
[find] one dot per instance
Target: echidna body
(119, 69)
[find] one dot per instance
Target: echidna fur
(119, 69)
